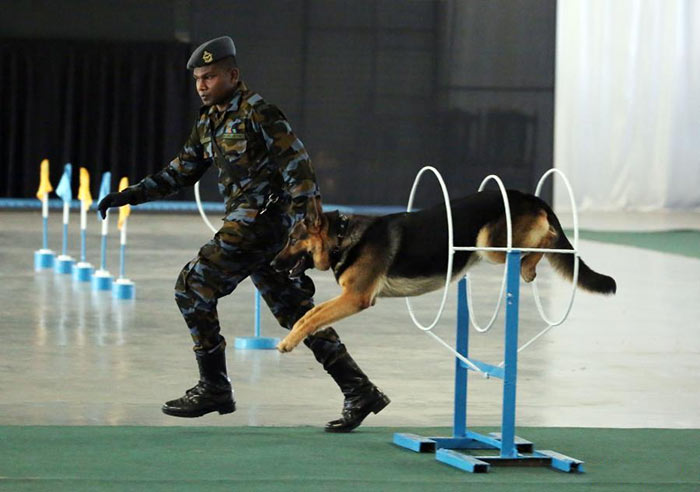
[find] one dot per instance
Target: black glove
(118, 199)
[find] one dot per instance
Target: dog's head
(308, 245)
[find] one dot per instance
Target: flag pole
(82, 272)
(64, 263)
(44, 258)
(103, 245)
(122, 250)
(123, 288)
(45, 217)
(102, 279)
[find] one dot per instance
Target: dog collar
(342, 229)
(343, 226)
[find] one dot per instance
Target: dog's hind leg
(535, 234)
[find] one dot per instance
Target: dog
(405, 254)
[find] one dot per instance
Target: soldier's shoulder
(267, 111)
(254, 100)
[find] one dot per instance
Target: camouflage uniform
(267, 179)
(266, 176)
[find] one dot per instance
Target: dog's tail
(564, 263)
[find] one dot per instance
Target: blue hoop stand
(43, 259)
(256, 342)
(514, 451)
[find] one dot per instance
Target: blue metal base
(446, 451)
(256, 343)
(102, 280)
(123, 289)
(82, 272)
(505, 447)
(43, 259)
(64, 264)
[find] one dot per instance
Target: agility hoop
(451, 249)
(512, 450)
(450, 240)
(201, 208)
(574, 280)
(448, 276)
(509, 244)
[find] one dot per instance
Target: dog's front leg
(321, 316)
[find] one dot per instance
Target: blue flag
(63, 190)
(104, 186)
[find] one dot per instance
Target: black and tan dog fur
(405, 254)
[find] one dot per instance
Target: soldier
(266, 176)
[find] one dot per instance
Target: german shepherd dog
(405, 254)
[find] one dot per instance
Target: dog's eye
(293, 241)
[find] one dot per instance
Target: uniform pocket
(235, 146)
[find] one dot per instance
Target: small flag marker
(64, 263)
(44, 258)
(102, 279)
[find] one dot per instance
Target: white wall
(627, 104)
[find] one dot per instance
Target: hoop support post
(513, 450)
(256, 342)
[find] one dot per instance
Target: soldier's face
(214, 83)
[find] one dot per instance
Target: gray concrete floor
(73, 356)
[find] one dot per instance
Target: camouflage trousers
(238, 250)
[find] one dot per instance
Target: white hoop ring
(450, 241)
(201, 209)
(509, 244)
(535, 291)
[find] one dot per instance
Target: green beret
(211, 51)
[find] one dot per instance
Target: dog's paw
(286, 346)
(528, 275)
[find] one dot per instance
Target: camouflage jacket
(258, 156)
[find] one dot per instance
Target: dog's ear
(314, 214)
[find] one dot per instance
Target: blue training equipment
(512, 450)
(256, 342)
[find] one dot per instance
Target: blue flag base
(82, 272)
(123, 288)
(256, 343)
(64, 264)
(43, 259)
(102, 280)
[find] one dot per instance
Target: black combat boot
(361, 396)
(213, 392)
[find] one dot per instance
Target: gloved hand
(118, 199)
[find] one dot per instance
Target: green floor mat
(304, 458)
(685, 243)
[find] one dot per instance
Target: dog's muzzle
(303, 263)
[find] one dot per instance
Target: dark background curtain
(375, 89)
(123, 107)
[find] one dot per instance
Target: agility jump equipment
(257, 341)
(512, 449)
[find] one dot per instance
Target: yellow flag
(125, 210)
(44, 183)
(84, 190)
